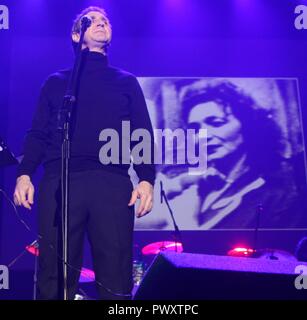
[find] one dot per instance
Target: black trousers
(98, 206)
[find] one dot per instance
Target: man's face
(99, 33)
(223, 129)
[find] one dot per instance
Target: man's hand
(24, 192)
(144, 192)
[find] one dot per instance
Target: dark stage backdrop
(228, 39)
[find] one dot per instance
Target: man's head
(98, 36)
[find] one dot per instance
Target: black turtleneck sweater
(105, 97)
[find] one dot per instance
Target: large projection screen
(256, 174)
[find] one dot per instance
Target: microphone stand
(177, 233)
(36, 253)
(259, 210)
(64, 119)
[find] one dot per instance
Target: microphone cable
(38, 236)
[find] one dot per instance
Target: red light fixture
(241, 252)
(157, 247)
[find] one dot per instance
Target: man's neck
(95, 49)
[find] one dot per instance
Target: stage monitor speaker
(187, 276)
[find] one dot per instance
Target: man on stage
(102, 198)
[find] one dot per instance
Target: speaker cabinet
(187, 276)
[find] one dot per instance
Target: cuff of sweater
(23, 171)
(148, 176)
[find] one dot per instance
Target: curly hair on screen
(263, 140)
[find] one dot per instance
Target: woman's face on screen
(224, 135)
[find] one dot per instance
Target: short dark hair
(76, 27)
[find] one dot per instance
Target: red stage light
(157, 247)
(241, 252)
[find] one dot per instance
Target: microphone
(161, 192)
(86, 22)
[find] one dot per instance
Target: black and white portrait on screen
(255, 153)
